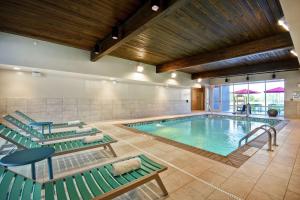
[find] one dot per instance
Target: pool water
(213, 133)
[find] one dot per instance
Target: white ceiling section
(291, 10)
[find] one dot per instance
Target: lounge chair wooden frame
(57, 153)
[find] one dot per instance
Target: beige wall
(62, 97)
(73, 87)
(21, 51)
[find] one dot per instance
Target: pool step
(250, 151)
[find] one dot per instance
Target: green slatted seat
(60, 147)
(14, 186)
(94, 183)
(46, 137)
(54, 125)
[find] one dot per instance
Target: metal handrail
(263, 127)
(209, 108)
(275, 133)
(248, 135)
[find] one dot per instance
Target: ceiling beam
(285, 65)
(275, 42)
(137, 23)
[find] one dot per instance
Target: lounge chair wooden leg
(161, 185)
(112, 150)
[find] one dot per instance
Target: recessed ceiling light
(35, 43)
(114, 82)
(97, 49)
(140, 68)
(115, 33)
(155, 5)
(17, 68)
(199, 80)
(283, 23)
(294, 53)
(173, 75)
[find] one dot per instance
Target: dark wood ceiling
(76, 23)
(276, 55)
(197, 26)
(202, 26)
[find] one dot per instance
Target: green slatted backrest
(17, 138)
(16, 186)
(26, 117)
(84, 185)
(23, 126)
(97, 181)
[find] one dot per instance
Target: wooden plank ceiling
(194, 27)
(76, 23)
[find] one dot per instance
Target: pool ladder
(267, 129)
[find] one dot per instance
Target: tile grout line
(292, 172)
(181, 170)
(267, 167)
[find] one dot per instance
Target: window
(227, 98)
(275, 96)
(261, 95)
(257, 98)
(240, 96)
(216, 98)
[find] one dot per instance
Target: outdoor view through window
(262, 96)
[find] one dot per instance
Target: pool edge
(234, 159)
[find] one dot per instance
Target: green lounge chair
(49, 136)
(96, 183)
(57, 125)
(61, 148)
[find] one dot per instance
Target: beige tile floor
(266, 175)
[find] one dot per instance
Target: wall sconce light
(173, 75)
(140, 68)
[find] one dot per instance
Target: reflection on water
(214, 134)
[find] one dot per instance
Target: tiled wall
(61, 98)
(292, 109)
(64, 109)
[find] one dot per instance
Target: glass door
(227, 103)
(275, 96)
(257, 98)
(216, 99)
